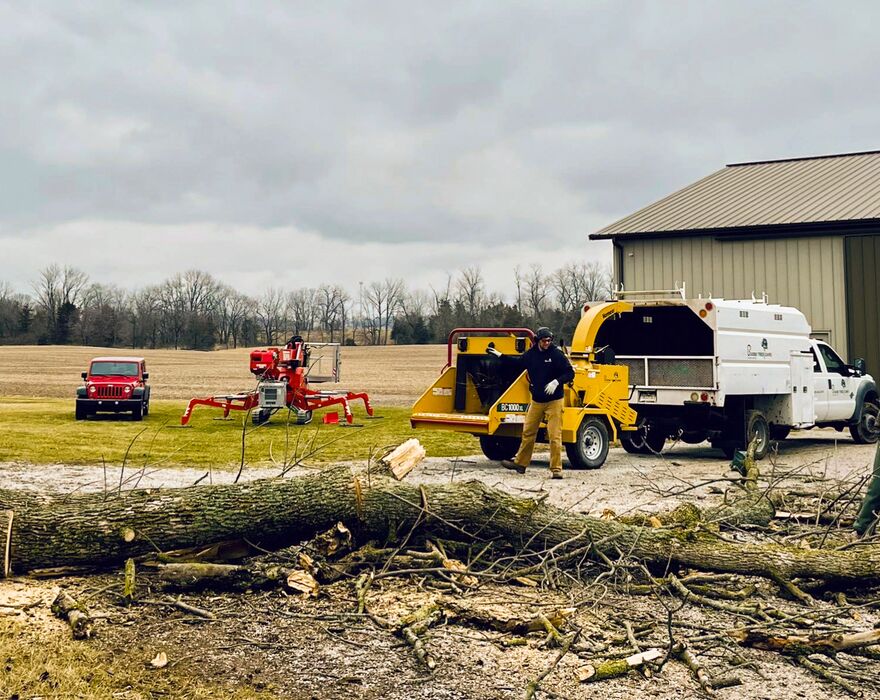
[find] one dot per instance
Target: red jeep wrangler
(114, 384)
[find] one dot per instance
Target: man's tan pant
(552, 413)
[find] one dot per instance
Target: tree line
(193, 310)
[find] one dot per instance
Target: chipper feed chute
(481, 395)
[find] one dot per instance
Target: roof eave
(816, 228)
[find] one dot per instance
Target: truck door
(820, 386)
(834, 393)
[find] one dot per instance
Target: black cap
(543, 332)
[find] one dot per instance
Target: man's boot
(513, 466)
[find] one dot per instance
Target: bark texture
(94, 529)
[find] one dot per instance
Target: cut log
(801, 644)
(83, 529)
(616, 667)
(403, 458)
(67, 608)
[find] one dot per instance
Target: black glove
(492, 351)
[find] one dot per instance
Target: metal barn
(805, 231)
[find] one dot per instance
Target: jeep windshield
(114, 369)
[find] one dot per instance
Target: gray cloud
(510, 127)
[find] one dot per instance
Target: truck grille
(109, 392)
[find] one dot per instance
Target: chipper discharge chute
(478, 394)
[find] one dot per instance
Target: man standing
(549, 371)
(869, 511)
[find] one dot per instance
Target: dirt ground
(289, 647)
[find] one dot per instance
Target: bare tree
(270, 314)
(144, 317)
(331, 301)
(102, 313)
(301, 310)
(232, 309)
(382, 300)
(470, 291)
(58, 294)
(441, 297)
(172, 311)
(537, 291)
(518, 282)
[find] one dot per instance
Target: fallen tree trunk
(95, 529)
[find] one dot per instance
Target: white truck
(731, 371)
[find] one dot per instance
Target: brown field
(391, 375)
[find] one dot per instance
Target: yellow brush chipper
(478, 394)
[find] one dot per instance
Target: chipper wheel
(498, 447)
(591, 448)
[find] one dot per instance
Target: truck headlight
(93, 389)
(126, 389)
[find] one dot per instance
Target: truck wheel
(779, 432)
(758, 430)
(81, 413)
(864, 431)
(655, 439)
(498, 447)
(591, 448)
(694, 437)
(146, 408)
(633, 442)
(138, 412)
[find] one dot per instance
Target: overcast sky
(295, 143)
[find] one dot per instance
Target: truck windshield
(106, 369)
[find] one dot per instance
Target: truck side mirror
(859, 365)
(84, 375)
(146, 375)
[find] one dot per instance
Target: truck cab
(838, 389)
(114, 385)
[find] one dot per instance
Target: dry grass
(393, 375)
(50, 665)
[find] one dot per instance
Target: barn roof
(801, 191)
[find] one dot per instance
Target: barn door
(863, 300)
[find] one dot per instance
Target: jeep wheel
(81, 413)
(138, 412)
(591, 448)
(864, 431)
(499, 447)
(146, 408)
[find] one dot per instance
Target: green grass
(43, 431)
